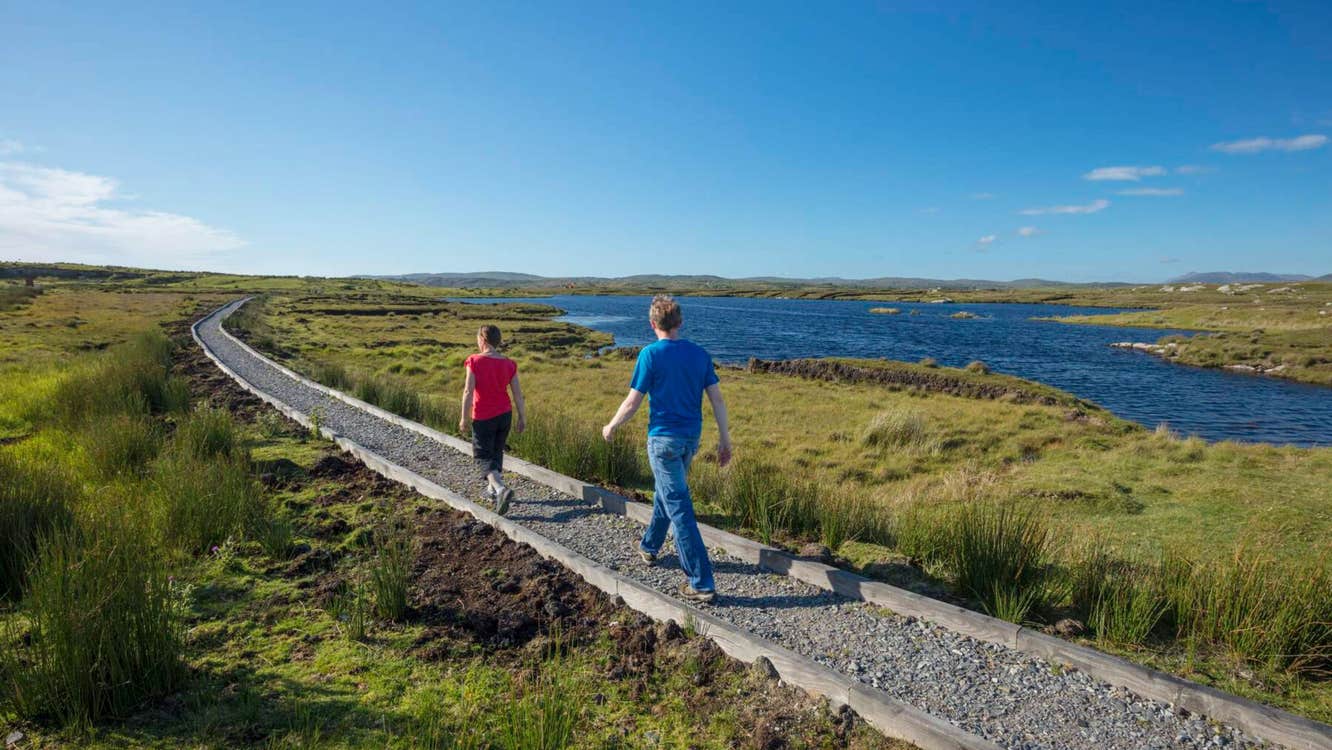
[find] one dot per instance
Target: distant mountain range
(507, 280)
(1231, 277)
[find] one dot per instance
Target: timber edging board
(890, 716)
(1257, 719)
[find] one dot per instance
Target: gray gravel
(1011, 698)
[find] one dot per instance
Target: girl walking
(486, 404)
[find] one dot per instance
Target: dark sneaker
(647, 557)
(691, 594)
(502, 502)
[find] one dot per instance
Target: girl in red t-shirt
(485, 403)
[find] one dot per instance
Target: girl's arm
(518, 404)
(469, 388)
(723, 424)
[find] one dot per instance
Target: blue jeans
(673, 507)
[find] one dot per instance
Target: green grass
(37, 498)
(390, 569)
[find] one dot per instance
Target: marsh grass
(121, 445)
(391, 569)
(37, 498)
(902, 428)
(209, 433)
(575, 447)
(546, 710)
(351, 607)
(201, 502)
(103, 628)
(132, 378)
(999, 554)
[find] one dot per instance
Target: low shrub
(103, 629)
(978, 367)
(36, 501)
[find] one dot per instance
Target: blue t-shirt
(673, 374)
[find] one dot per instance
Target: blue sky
(1097, 142)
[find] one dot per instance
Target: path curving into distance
(1009, 697)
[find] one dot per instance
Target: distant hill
(506, 280)
(1230, 277)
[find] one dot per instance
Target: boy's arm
(626, 412)
(518, 403)
(723, 423)
(469, 388)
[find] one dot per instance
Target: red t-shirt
(493, 375)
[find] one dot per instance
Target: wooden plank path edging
(890, 716)
(1257, 719)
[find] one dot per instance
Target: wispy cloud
(982, 196)
(1155, 192)
(1263, 143)
(9, 147)
(984, 242)
(51, 214)
(1194, 169)
(1169, 259)
(1123, 174)
(1028, 232)
(1100, 204)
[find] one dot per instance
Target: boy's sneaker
(691, 594)
(502, 502)
(647, 557)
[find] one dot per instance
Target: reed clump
(37, 498)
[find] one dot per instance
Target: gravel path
(1011, 698)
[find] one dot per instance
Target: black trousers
(488, 437)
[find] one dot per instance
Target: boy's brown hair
(491, 335)
(665, 313)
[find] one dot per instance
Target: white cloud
(986, 241)
(1158, 192)
(9, 147)
(1263, 143)
(1100, 204)
(1132, 174)
(1028, 231)
(53, 214)
(982, 196)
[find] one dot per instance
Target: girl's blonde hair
(490, 334)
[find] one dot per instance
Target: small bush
(978, 367)
(928, 361)
(103, 629)
(36, 501)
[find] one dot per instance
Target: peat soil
(475, 590)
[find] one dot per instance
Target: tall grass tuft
(900, 428)
(36, 501)
(545, 714)
(132, 378)
(201, 502)
(1000, 555)
(103, 629)
(574, 447)
(121, 445)
(208, 433)
(391, 570)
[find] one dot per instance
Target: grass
(103, 630)
(1001, 556)
(36, 501)
(390, 570)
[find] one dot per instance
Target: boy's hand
(607, 431)
(724, 453)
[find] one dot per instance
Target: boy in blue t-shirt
(674, 373)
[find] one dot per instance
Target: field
(884, 473)
(183, 568)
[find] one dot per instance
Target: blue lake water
(1214, 404)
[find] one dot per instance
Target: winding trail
(1009, 697)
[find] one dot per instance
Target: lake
(1213, 404)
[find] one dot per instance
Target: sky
(1062, 140)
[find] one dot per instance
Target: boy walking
(674, 374)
